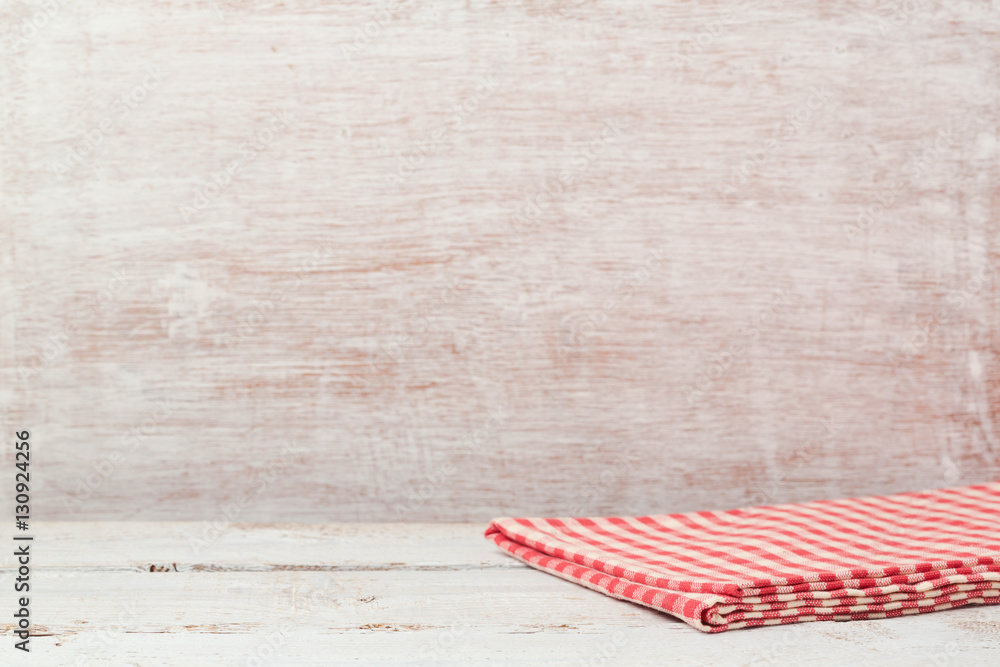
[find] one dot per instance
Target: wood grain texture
(446, 261)
(397, 594)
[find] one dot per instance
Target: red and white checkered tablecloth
(831, 560)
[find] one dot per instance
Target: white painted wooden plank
(164, 358)
(917, 644)
(210, 546)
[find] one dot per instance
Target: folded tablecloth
(831, 560)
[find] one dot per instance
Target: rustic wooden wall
(308, 261)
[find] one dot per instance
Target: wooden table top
(120, 593)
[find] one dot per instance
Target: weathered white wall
(620, 239)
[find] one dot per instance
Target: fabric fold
(850, 559)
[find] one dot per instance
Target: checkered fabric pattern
(832, 560)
